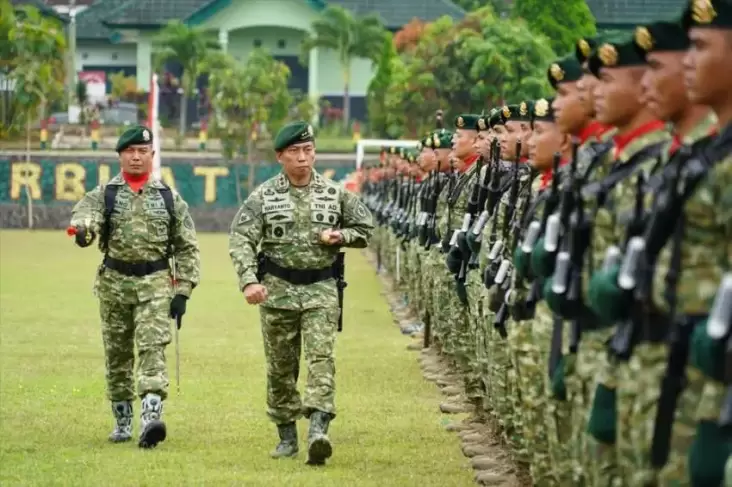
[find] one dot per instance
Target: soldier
(141, 223)
(455, 311)
(573, 111)
(685, 257)
(435, 364)
(300, 220)
(635, 147)
(664, 44)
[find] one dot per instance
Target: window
(114, 56)
(281, 44)
(257, 43)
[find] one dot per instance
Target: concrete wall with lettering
(214, 190)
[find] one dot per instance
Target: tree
(407, 38)
(351, 38)
(189, 47)
(247, 97)
(34, 62)
(562, 21)
(499, 6)
(376, 94)
(469, 66)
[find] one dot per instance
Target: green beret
(660, 36)
(565, 70)
(138, 135)
(442, 139)
(543, 111)
(402, 151)
(708, 13)
(519, 112)
(583, 49)
(293, 133)
(615, 55)
(467, 121)
(496, 118)
(483, 123)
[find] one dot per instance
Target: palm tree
(351, 38)
(189, 47)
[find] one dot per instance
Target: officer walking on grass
(142, 225)
(298, 221)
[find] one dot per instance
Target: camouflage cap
(442, 139)
(615, 55)
(467, 121)
(660, 36)
(543, 111)
(707, 13)
(137, 135)
(565, 70)
(293, 133)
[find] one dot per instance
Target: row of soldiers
(569, 258)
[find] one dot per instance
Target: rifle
(501, 276)
(339, 272)
(463, 251)
(537, 229)
(431, 237)
(446, 239)
(496, 246)
(719, 326)
(475, 234)
(626, 334)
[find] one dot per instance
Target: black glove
(178, 307)
(84, 237)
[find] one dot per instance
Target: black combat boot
(319, 447)
(152, 428)
(287, 447)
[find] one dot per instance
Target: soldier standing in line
(436, 363)
(635, 148)
(456, 313)
(141, 224)
(299, 220)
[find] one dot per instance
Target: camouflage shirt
(607, 229)
(454, 203)
(140, 232)
(285, 223)
(706, 245)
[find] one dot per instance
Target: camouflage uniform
(456, 314)
(135, 310)
(285, 222)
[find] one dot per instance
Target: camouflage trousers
(676, 471)
(474, 387)
(424, 305)
(442, 285)
(590, 363)
(414, 284)
(500, 373)
(143, 325)
(529, 343)
(285, 332)
(639, 381)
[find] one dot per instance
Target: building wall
(96, 53)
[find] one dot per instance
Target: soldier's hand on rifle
(83, 236)
(331, 237)
(255, 293)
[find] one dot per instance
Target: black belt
(297, 276)
(136, 269)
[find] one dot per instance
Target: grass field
(54, 418)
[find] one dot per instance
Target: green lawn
(54, 418)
